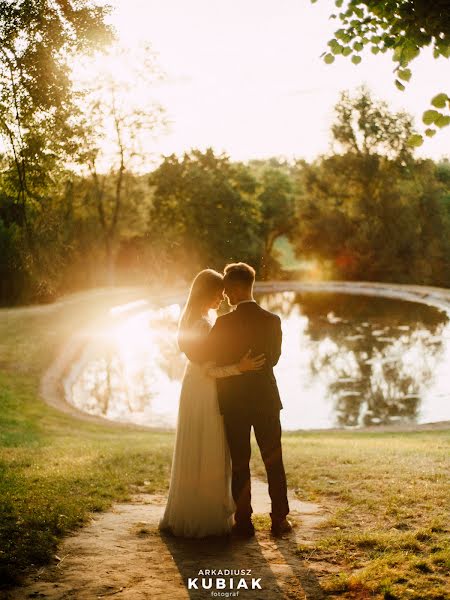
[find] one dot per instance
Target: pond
(348, 361)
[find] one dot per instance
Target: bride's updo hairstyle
(206, 285)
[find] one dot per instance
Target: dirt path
(122, 554)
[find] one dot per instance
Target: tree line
(77, 213)
(368, 210)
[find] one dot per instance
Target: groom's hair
(239, 272)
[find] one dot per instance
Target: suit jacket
(247, 327)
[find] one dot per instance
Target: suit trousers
(267, 430)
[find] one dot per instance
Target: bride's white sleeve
(218, 372)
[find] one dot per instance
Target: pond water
(347, 361)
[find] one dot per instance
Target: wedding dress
(200, 502)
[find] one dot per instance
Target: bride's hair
(205, 286)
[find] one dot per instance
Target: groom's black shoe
(281, 527)
(243, 529)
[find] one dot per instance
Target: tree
(366, 127)
(276, 199)
(373, 212)
(403, 27)
(118, 118)
(204, 211)
(37, 40)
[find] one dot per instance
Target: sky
(246, 78)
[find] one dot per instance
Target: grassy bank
(387, 536)
(55, 470)
(389, 529)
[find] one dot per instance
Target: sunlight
(218, 94)
(117, 96)
(335, 368)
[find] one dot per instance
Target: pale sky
(246, 77)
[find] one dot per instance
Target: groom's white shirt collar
(242, 302)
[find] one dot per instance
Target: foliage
(367, 127)
(204, 211)
(37, 38)
(276, 199)
(403, 27)
(371, 215)
(116, 120)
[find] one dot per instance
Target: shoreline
(52, 382)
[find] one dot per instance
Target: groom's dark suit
(250, 399)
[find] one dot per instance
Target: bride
(200, 501)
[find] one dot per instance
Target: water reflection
(347, 361)
(377, 360)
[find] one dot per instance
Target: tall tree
(372, 211)
(37, 40)
(276, 198)
(119, 118)
(366, 127)
(204, 211)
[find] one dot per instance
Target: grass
(388, 492)
(389, 528)
(55, 471)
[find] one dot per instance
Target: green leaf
(375, 50)
(358, 46)
(409, 53)
(329, 58)
(440, 100)
(430, 132)
(339, 3)
(399, 85)
(430, 116)
(356, 59)
(415, 140)
(442, 121)
(347, 51)
(404, 74)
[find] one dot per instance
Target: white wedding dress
(200, 502)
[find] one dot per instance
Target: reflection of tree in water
(369, 358)
(282, 303)
(107, 387)
(376, 354)
(124, 379)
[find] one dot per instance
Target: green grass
(55, 471)
(387, 493)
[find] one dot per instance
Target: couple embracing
(228, 388)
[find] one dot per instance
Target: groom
(252, 399)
